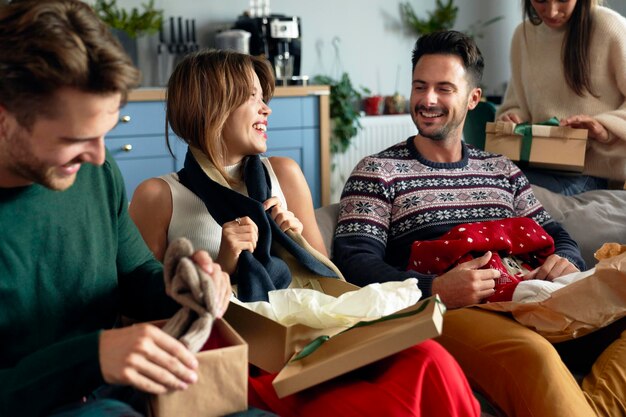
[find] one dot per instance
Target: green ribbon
(526, 131)
(320, 340)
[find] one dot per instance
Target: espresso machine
(277, 38)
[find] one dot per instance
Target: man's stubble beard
(23, 163)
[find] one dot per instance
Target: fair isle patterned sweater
(397, 196)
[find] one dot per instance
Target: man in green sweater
(71, 260)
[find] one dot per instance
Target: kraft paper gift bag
(222, 354)
(222, 386)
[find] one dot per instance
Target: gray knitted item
(192, 288)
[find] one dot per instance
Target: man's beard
(443, 132)
(46, 177)
(437, 136)
(27, 166)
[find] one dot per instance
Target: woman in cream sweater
(567, 60)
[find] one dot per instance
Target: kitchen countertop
(158, 93)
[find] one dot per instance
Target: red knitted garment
(514, 242)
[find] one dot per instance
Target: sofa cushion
(591, 218)
(326, 217)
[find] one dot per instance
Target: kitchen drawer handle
(127, 148)
(125, 119)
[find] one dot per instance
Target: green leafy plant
(133, 23)
(344, 112)
(442, 18)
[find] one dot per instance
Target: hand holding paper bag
(197, 292)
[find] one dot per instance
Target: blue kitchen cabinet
(294, 131)
(138, 143)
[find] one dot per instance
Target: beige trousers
(522, 373)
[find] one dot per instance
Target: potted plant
(127, 26)
(442, 18)
(344, 111)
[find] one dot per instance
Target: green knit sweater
(70, 263)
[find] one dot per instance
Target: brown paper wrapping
(578, 308)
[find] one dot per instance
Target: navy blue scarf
(262, 271)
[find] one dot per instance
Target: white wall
(374, 48)
(617, 5)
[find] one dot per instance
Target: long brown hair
(575, 50)
(204, 90)
(48, 45)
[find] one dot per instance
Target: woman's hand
(284, 218)
(237, 235)
(583, 121)
(510, 117)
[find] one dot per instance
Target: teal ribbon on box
(526, 131)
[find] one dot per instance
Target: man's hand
(146, 358)
(221, 281)
(554, 267)
(466, 284)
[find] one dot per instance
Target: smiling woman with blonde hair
(237, 204)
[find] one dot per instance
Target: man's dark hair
(452, 43)
(46, 45)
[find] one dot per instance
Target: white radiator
(377, 134)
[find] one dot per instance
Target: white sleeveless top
(191, 219)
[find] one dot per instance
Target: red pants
(423, 380)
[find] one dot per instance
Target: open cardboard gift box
(554, 147)
(272, 345)
(222, 386)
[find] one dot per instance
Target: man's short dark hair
(456, 43)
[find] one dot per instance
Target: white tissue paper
(318, 310)
(536, 290)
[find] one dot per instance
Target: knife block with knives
(173, 45)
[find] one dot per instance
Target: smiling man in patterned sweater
(423, 187)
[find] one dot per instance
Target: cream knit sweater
(538, 90)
